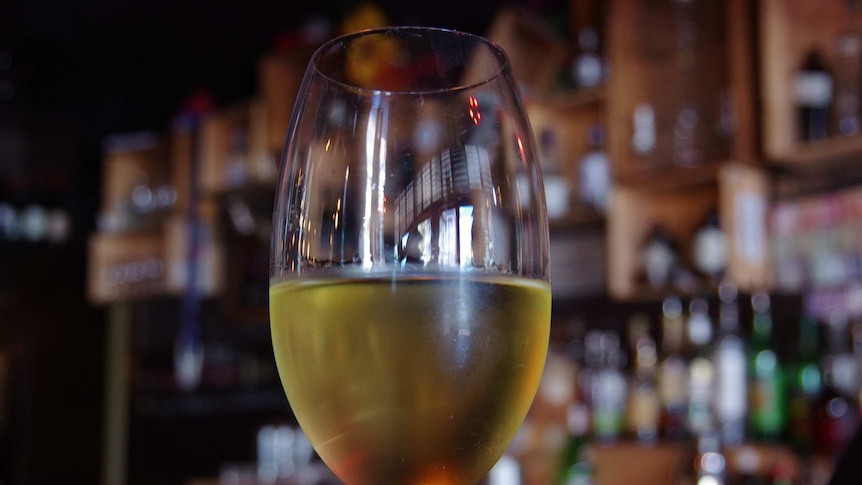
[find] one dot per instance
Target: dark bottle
(813, 90)
(659, 257)
(644, 407)
(836, 412)
(673, 371)
(767, 412)
(701, 370)
(804, 384)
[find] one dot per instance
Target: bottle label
(731, 390)
(644, 409)
(609, 394)
(813, 88)
(701, 381)
(767, 415)
(673, 381)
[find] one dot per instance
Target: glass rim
(498, 53)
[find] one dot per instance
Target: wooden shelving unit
(235, 148)
(788, 31)
(650, 189)
(143, 250)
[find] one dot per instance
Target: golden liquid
(410, 381)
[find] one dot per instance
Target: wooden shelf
(235, 149)
(653, 189)
(561, 125)
(154, 263)
(642, 50)
(575, 99)
(821, 155)
(578, 218)
(634, 212)
(675, 178)
(535, 50)
(132, 161)
(629, 463)
(789, 30)
(279, 77)
(739, 192)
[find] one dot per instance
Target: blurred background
(701, 169)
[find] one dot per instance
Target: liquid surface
(410, 381)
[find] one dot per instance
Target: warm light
(475, 115)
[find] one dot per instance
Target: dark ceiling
(76, 71)
(127, 63)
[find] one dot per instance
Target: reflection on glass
(448, 198)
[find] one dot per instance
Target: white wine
(410, 381)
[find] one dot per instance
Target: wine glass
(409, 295)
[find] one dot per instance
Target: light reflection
(465, 235)
(451, 196)
(474, 112)
(425, 246)
(448, 238)
(521, 148)
(371, 240)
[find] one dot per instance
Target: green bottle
(767, 414)
(804, 383)
(575, 467)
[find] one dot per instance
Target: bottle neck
(729, 318)
(646, 359)
(809, 338)
(761, 330)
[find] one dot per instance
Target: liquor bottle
(813, 86)
(804, 385)
(710, 248)
(575, 465)
(556, 185)
(593, 356)
(836, 412)
(609, 389)
(595, 172)
(644, 406)
(644, 128)
(588, 70)
(767, 413)
(673, 372)
(730, 399)
(701, 371)
(659, 257)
